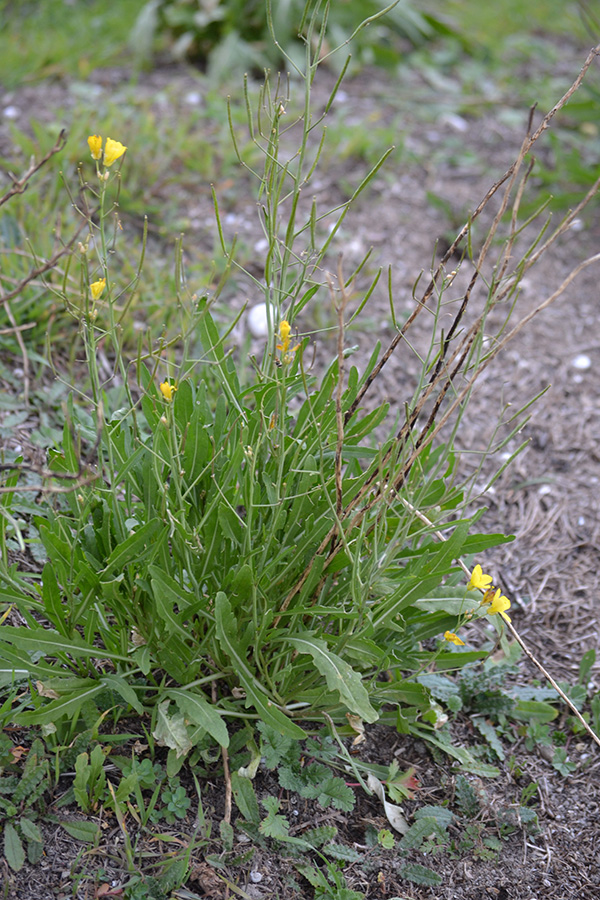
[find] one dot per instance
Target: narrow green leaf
(441, 814)
(340, 677)
(30, 830)
(171, 591)
(88, 832)
(467, 761)
(118, 684)
(245, 797)
(454, 601)
(227, 635)
(411, 589)
(419, 831)
(534, 710)
(50, 642)
(56, 709)
(166, 597)
(488, 731)
(199, 711)
(343, 852)
(136, 547)
(420, 874)
(52, 597)
(13, 848)
(587, 661)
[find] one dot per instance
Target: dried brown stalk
(450, 365)
(511, 174)
(20, 184)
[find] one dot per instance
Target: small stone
(581, 362)
(193, 98)
(257, 321)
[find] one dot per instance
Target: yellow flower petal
(453, 638)
(499, 604)
(167, 390)
(478, 580)
(97, 287)
(113, 151)
(95, 145)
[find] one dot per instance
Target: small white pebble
(255, 877)
(11, 112)
(257, 321)
(581, 362)
(193, 98)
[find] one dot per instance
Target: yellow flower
(284, 334)
(479, 580)
(167, 390)
(453, 638)
(95, 145)
(113, 151)
(97, 287)
(498, 603)
(287, 352)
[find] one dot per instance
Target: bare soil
(549, 498)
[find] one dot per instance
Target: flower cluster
(113, 150)
(287, 352)
(498, 603)
(493, 598)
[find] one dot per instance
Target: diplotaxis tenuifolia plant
(274, 547)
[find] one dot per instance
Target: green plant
(298, 769)
(226, 34)
(176, 803)
(55, 45)
(90, 779)
(228, 553)
(329, 884)
(21, 803)
(211, 463)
